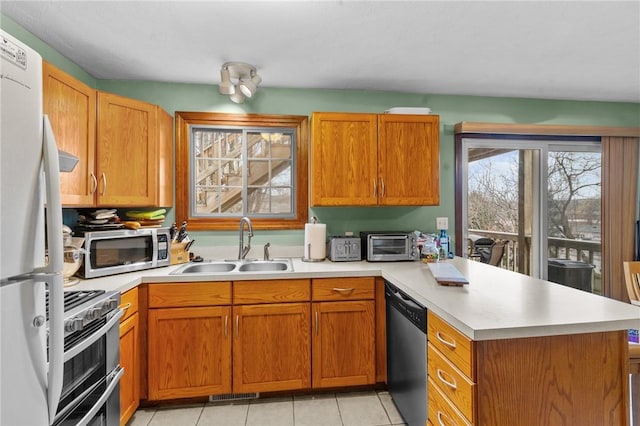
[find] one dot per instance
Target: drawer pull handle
(344, 290)
(375, 188)
(442, 416)
(317, 325)
(451, 382)
(450, 343)
(226, 325)
(237, 320)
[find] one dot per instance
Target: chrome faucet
(266, 251)
(242, 251)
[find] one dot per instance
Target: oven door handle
(94, 337)
(103, 399)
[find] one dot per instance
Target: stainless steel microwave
(124, 250)
(389, 246)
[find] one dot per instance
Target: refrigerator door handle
(54, 268)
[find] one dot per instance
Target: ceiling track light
(238, 80)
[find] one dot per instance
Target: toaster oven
(392, 246)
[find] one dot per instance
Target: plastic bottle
(444, 244)
(429, 251)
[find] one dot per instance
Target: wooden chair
(632, 280)
(497, 251)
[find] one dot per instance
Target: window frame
(184, 121)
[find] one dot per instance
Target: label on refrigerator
(13, 53)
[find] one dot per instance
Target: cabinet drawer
(454, 345)
(271, 291)
(327, 289)
(172, 295)
(455, 385)
(440, 410)
(129, 303)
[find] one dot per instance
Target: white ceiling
(552, 50)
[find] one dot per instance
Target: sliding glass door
(533, 206)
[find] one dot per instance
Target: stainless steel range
(90, 389)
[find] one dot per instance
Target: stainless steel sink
(206, 268)
(265, 266)
(235, 267)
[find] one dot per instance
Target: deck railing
(517, 252)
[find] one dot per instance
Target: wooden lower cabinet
(189, 352)
(271, 347)
(188, 339)
(569, 380)
(129, 382)
(129, 355)
(262, 336)
(344, 343)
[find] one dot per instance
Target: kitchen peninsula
(539, 352)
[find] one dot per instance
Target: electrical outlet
(442, 223)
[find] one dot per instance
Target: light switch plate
(442, 223)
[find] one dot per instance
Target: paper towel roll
(316, 235)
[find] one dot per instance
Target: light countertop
(496, 304)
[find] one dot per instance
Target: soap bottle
(444, 244)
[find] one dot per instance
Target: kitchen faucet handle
(266, 251)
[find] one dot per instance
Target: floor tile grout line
(335, 396)
(384, 408)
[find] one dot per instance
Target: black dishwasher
(407, 355)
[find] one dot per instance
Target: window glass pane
(220, 172)
(574, 222)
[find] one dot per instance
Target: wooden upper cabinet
(409, 159)
(127, 160)
(344, 159)
(374, 159)
(125, 146)
(71, 107)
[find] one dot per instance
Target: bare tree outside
(574, 195)
(493, 193)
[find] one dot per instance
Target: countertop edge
(410, 278)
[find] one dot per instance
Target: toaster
(344, 249)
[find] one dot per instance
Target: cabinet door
(127, 152)
(71, 107)
(409, 159)
(272, 347)
(189, 352)
(344, 159)
(165, 159)
(343, 344)
(129, 361)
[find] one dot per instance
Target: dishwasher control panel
(406, 305)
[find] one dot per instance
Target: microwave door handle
(388, 237)
(94, 337)
(103, 398)
(154, 253)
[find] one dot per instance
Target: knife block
(178, 253)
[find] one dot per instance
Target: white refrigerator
(30, 372)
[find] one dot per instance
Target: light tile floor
(327, 409)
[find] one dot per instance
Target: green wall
(452, 109)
